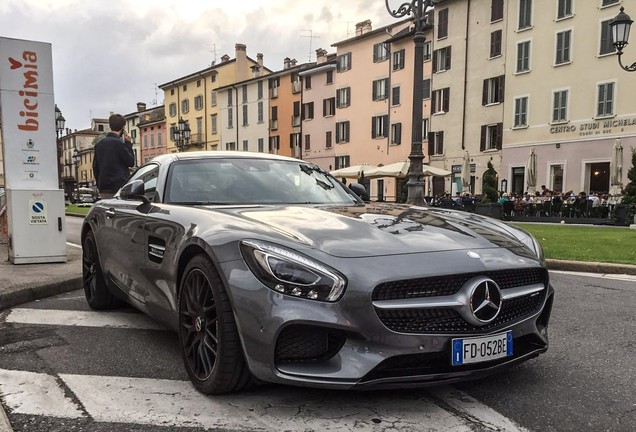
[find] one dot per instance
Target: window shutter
(374, 90)
(484, 93)
(440, 137)
(296, 109)
(324, 107)
(338, 98)
(499, 135)
(482, 142)
(275, 113)
(311, 110)
(347, 131)
(434, 101)
(373, 128)
(385, 121)
(435, 61)
(348, 97)
(502, 83)
(448, 57)
(445, 103)
(431, 143)
(426, 88)
(398, 133)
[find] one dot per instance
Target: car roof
(222, 155)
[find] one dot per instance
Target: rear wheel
(95, 289)
(210, 345)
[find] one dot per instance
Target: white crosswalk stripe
(175, 403)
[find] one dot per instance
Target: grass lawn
(74, 209)
(586, 243)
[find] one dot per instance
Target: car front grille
(448, 321)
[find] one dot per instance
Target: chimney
(259, 58)
(321, 55)
(293, 62)
(286, 63)
(225, 58)
(255, 71)
(241, 61)
(363, 27)
(141, 106)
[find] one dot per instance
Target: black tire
(208, 336)
(95, 289)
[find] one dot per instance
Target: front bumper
(346, 345)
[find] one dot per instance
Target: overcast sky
(109, 54)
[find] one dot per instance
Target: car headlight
(288, 272)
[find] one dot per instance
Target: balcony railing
(295, 120)
(296, 86)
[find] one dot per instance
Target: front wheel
(95, 289)
(208, 336)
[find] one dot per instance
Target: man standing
(113, 157)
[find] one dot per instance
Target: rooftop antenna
(347, 22)
(214, 52)
(310, 36)
(155, 101)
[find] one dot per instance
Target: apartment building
(193, 97)
(566, 97)
(132, 127)
(243, 108)
(153, 134)
(319, 109)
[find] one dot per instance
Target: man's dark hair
(116, 122)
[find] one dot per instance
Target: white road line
(620, 277)
(74, 245)
(35, 394)
(82, 318)
(468, 407)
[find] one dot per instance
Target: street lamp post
(181, 135)
(620, 27)
(415, 183)
(76, 159)
(59, 131)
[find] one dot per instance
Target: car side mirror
(134, 190)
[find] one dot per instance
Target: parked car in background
(270, 269)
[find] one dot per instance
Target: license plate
(480, 349)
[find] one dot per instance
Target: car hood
(377, 229)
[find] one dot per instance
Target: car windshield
(253, 181)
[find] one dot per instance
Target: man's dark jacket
(113, 157)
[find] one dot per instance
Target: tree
(629, 197)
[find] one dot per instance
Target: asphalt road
(120, 372)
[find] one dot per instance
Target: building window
(439, 100)
(273, 119)
(173, 109)
(308, 82)
(495, 43)
(379, 126)
(244, 93)
(442, 59)
(491, 137)
(230, 146)
(185, 106)
(329, 107)
(273, 87)
(493, 90)
(245, 119)
(343, 97)
(380, 53)
(213, 125)
(395, 96)
(609, 2)
(296, 116)
(274, 144)
(525, 14)
(396, 133)
(521, 112)
(229, 97)
(343, 62)
(523, 56)
(427, 50)
(436, 143)
(307, 142)
(260, 112)
(230, 120)
(398, 60)
(564, 8)
(426, 89)
(605, 103)
(185, 87)
(308, 111)
(261, 145)
(560, 106)
(496, 10)
(198, 102)
(245, 145)
(342, 132)
(442, 24)
(607, 46)
(563, 47)
(342, 162)
(171, 92)
(380, 89)
(213, 98)
(328, 139)
(329, 77)
(425, 128)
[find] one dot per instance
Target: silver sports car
(272, 270)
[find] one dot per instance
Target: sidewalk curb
(591, 267)
(28, 294)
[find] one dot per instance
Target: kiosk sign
(38, 212)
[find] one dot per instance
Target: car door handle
(110, 213)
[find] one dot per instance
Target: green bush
(629, 198)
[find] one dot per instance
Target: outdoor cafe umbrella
(466, 173)
(531, 173)
(616, 168)
(352, 171)
(401, 170)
